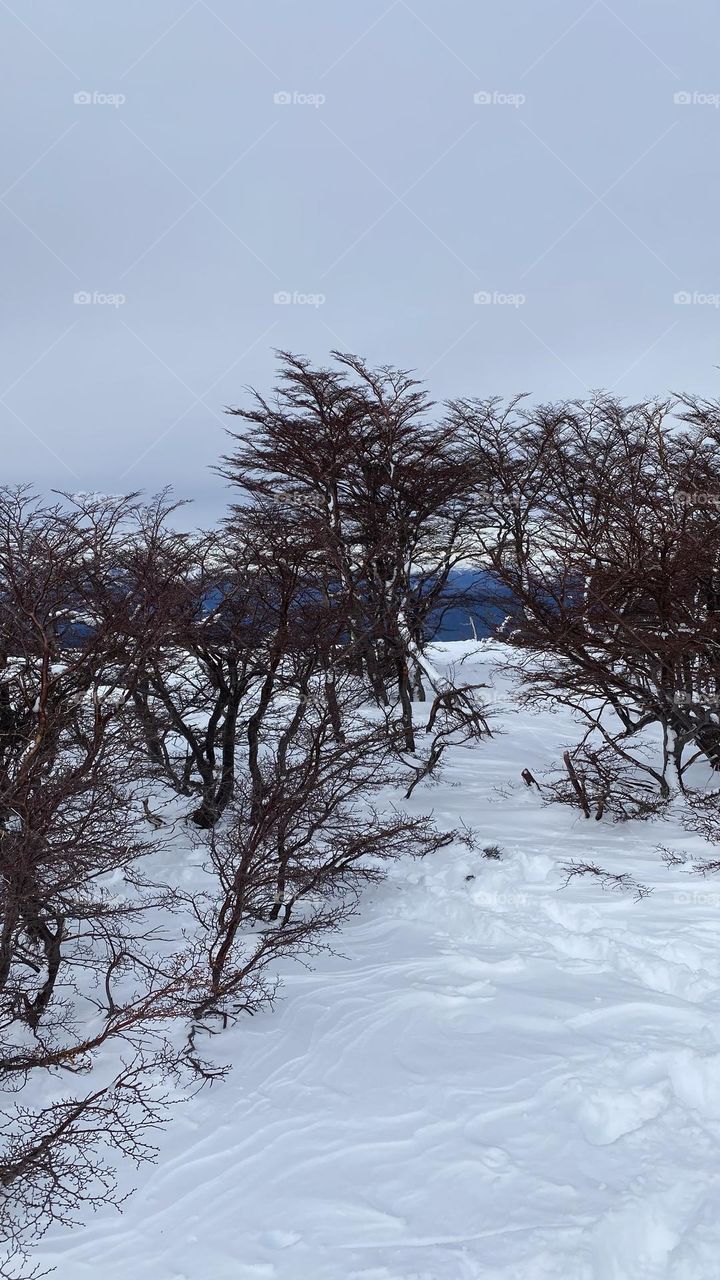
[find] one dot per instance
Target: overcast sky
(149, 166)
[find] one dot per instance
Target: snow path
(498, 1078)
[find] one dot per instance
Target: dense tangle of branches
(263, 693)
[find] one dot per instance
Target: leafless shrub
(493, 852)
(457, 717)
(607, 880)
(671, 857)
(602, 782)
(75, 940)
(302, 838)
(701, 815)
(382, 491)
(52, 1161)
(611, 572)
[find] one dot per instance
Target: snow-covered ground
(496, 1077)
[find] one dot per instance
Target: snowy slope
(498, 1078)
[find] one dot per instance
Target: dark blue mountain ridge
(486, 606)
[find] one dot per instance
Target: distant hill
(478, 619)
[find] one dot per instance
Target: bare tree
(74, 952)
(303, 836)
(586, 516)
(382, 489)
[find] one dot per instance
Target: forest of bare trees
(272, 679)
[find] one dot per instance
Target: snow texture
(494, 1077)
